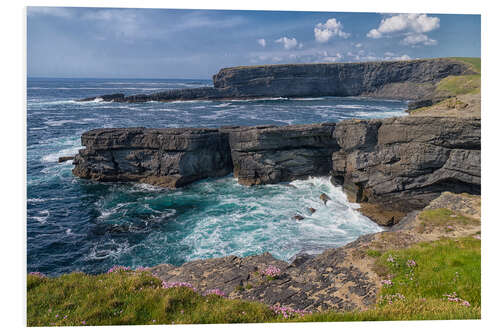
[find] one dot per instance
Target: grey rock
(272, 154)
(414, 79)
(404, 163)
(163, 157)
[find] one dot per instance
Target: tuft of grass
(441, 218)
(373, 253)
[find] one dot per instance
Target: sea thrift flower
(141, 269)
(40, 275)
(465, 303)
(271, 271)
(287, 312)
(390, 258)
(387, 282)
(118, 268)
(411, 263)
(168, 285)
(217, 292)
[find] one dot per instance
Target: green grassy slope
(130, 297)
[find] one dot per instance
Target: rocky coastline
(397, 169)
(391, 166)
(413, 80)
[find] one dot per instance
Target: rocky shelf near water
(410, 80)
(390, 166)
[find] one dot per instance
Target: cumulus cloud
(323, 32)
(358, 45)
(288, 43)
(418, 39)
(413, 26)
(262, 42)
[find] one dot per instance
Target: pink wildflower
(217, 292)
(411, 263)
(168, 285)
(271, 271)
(118, 268)
(287, 312)
(465, 303)
(390, 258)
(386, 282)
(40, 275)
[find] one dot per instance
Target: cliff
(413, 80)
(395, 165)
(164, 157)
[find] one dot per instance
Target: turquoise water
(76, 224)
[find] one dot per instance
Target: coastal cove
(74, 224)
(278, 214)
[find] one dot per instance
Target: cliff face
(404, 163)
(164, 157)
(412, 79)
(400, 164)
(271, 154)
(382, 79)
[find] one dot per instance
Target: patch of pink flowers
(40, 275)
(392, 298)
(411, 263)
(168, 285)
(386, 282)
(271, 271)
(216, 291)
(141, 269)
(454, 298)
(118, 268)
(287, 312)
(390, 258)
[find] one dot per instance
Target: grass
(460, 85)
(129, 297)
(442, 218)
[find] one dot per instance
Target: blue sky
(163, 43)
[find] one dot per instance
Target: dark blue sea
(75, 224)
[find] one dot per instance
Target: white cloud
(358, 45)
(418, 39)
(323, 32)
(413, 26)
(333, 58)
(288, 43)
(262, 42)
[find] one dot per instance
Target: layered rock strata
(164, 157)
(403, 163)
(273, 154)
(390, 166)
(413, 79)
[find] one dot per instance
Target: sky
(195, 44)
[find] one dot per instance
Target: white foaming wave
(307, 99)
(223, 105)
(349, 106)
(54, 157)
(55, 123)
(111, 249)
(265, 219)
(42, 218)
(259, 99)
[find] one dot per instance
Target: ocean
(80, 225)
